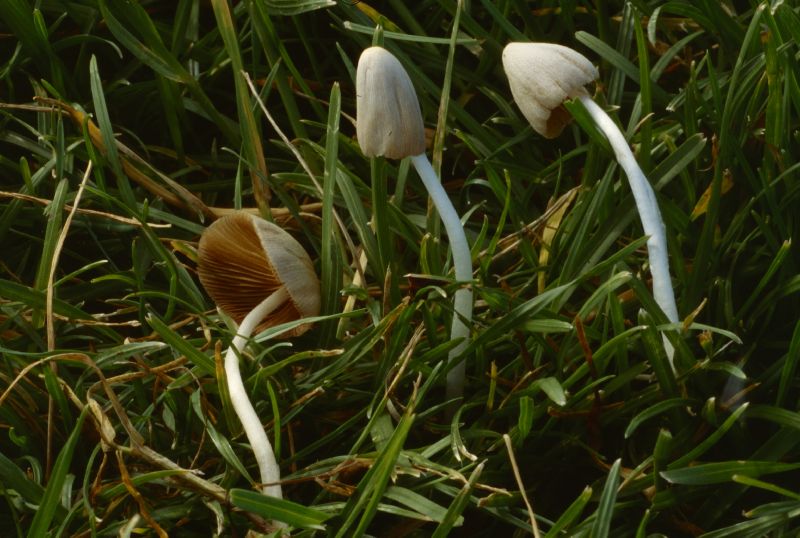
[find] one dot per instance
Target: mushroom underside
(238, 276)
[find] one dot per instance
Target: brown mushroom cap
(243, 259)
(542, 76)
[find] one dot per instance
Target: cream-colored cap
(243, 259)
(388, 118)
(542, 76)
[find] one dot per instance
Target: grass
(126, 127)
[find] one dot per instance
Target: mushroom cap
(388, 118)
(243, 259)
(542, 76)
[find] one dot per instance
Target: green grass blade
(251, 138)
(363, 505)
(654, 411)
(616, 59)
(709, 441)
(423, 506)
(13, 478)
(571, 514)
(181, 346)
(601, 527)
(459, 504)
(155, 55)
(724, 471)
(220, 441)
(55, 219)
(330, 256)
(296, 7)
(645, 96)
(51, 498)
(291, 513)
(107, 132)
(726, 148)
(22, 21)
(657, 355)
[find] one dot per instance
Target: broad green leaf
(553, 389)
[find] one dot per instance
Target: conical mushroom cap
(542, 76)
(243, 259)
(388, 118)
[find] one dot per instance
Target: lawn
(570, 401)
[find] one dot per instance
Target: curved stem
(462, 262)
(267, 464)
(649, 213)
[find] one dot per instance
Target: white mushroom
(389, 121)
(542, 76)
(260, 276)
(389, 124)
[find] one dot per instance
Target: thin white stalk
(262, 448)
(649, 213)
(462, 262)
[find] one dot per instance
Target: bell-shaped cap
(542, 76)
(243, 259)
(388, 118)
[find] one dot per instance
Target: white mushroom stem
(462, 262)
(262, 448)
(542, 76)
(647, 206)
(390, 124)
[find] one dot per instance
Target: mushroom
(389, 124)
(544, 75)
(260, 276)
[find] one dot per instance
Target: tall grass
(118, 421)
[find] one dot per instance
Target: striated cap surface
(388, 118)
(243, 259)
(542, 76)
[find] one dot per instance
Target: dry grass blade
(180, 198)
(83, 211)
(187, 477)
(353, 250)
(518, 477)
(51, 334)
(137, 496)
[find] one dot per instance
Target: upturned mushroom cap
(388, 118)
(542, 76)
(244, 258)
